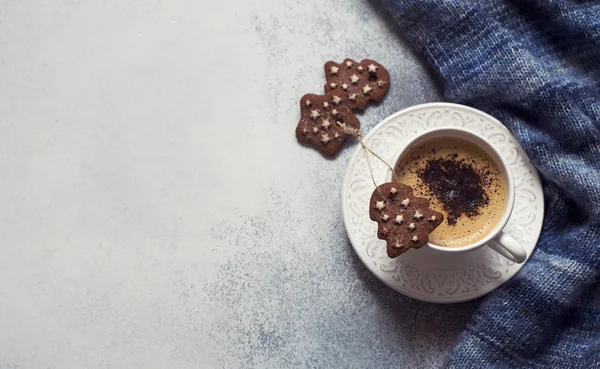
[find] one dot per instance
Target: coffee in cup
(461, 181)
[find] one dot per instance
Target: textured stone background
(156, 210)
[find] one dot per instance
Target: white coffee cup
(496, 239)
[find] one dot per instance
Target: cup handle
(508, 247)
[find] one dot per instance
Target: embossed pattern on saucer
(424, 274)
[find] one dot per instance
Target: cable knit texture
(534, 65)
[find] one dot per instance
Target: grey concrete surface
(156, 209)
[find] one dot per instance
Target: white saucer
(424, 274)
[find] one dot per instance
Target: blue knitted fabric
(534, 65)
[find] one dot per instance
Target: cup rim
(510, 190)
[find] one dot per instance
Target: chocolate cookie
(325, 121)
(405, 221)
(363, 82)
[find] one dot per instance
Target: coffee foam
(467, 230)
